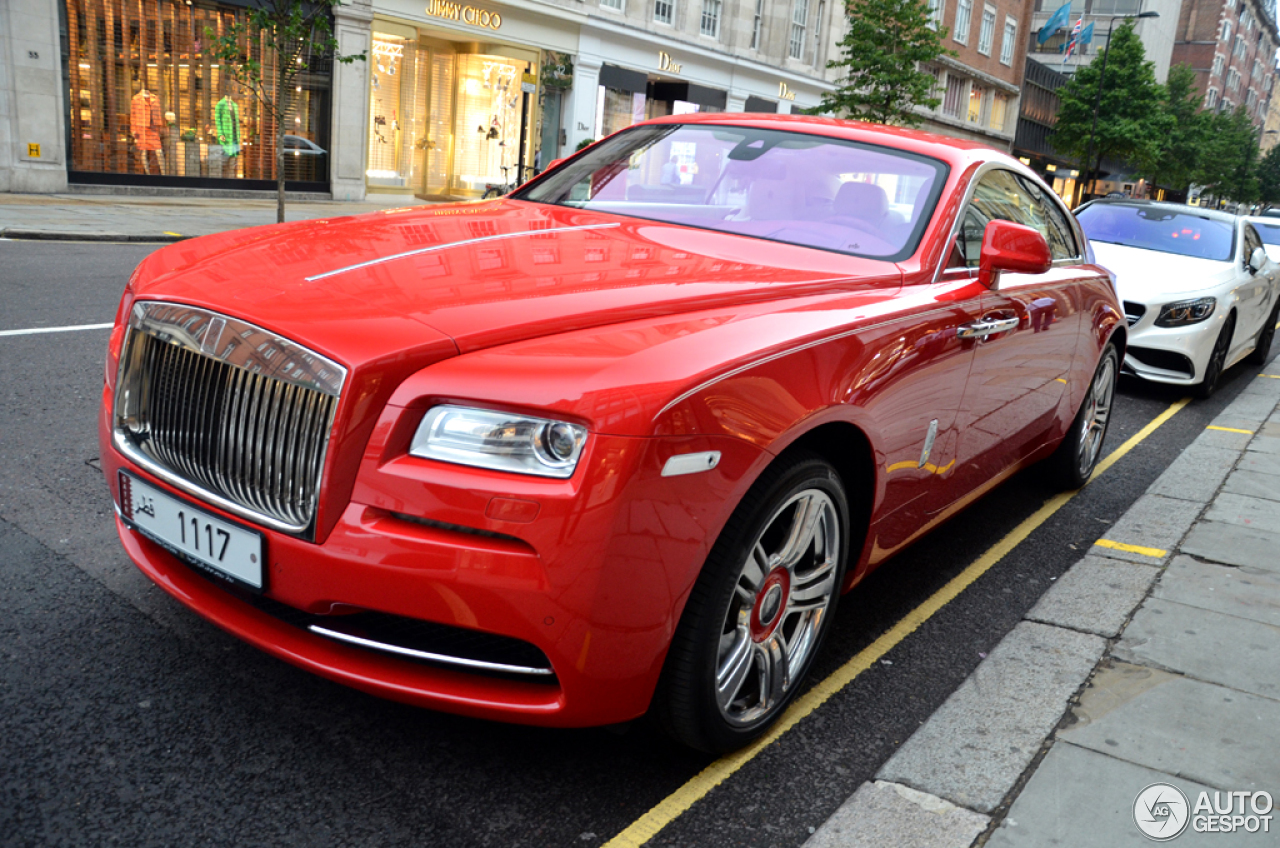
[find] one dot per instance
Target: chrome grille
(227, 411)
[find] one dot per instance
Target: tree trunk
(280, 172)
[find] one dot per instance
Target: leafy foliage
(1130, 121)
(880, 57)
(267, 51)
(1269, 177)
(1228, 157)
(1172, 162)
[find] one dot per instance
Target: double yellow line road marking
(675, 804)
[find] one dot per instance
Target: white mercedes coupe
(1199, 291)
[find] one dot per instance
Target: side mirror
(1007, 246)
(1257, 259)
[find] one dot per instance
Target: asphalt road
(126, 720)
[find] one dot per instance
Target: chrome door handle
(986, 327)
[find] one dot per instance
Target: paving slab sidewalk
(96, 217)
(1154, 661)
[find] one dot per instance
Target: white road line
(55, 330)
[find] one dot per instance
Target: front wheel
(1217, 360)
(1262, 350)
(760, 609)
(1078, 454)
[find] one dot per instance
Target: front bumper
(1175, 355)
(595, 582)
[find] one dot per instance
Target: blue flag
(1057, 20)
(1086, 34)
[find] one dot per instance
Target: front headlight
(1185, 312)
(502, 441)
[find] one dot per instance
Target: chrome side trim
(462, 243)
(425, 655)
(690, 463)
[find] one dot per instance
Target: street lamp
(1102, 79)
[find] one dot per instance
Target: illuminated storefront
(149, 105)
(456, 101)
(446, 117)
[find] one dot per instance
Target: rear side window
(1061, 238)
(1251, 241)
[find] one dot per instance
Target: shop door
(549, 143)
(438, 142)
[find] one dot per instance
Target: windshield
(802, 189)
(1269, 232)
(1156, 228)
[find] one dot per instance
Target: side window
(1062, 240)
(1000, 195)
(1251, 241)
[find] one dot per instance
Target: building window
(799, 20)
(1217, 64)
(977, 96)
(999, 109)
(1233, 79)
(964, 12)
(1115, 7)
(988, 30)
(1251, 99)
(757, 25)
(1010, 39)
(1226, 31)
(663, 11)
(1211, 99)
(817, 30)
(954, 98)
(1240, 48)
(935, 12)
(710, 18)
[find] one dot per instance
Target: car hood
(481, 274)
(1152, 276)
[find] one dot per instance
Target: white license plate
(220, 546)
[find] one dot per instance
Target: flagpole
(1097, 100)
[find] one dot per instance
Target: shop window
(977, 97)
(999, 108)
(146, 100)
(393, 103)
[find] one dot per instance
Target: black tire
(1217, 360)
(754, 621)
(1074, 460)
(1262, 350)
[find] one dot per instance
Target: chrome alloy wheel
(776, 614)
(1093, 423)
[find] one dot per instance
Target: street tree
(269, 51)
(880, 57)
(1129, 120)
(1269, 177)
(1181, 136)
(1228, 160)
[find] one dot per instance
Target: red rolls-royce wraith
(615, 443)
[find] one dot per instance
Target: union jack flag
(1074, 39)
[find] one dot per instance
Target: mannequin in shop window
(146, 123)
(226, 125)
